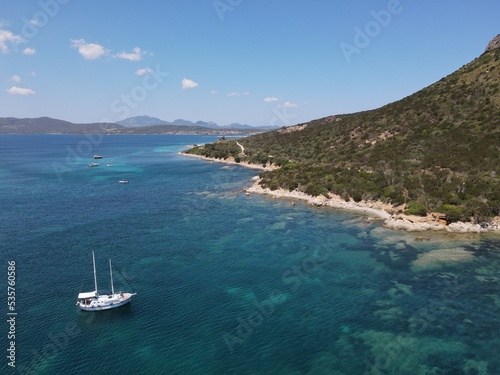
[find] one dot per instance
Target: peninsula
(428, 161)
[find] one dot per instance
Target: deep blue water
(226, 283)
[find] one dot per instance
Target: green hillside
(436, 150)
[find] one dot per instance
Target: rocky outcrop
(291, 129)
(408, 223)
(494, 44)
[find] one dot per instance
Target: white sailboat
(93, 301)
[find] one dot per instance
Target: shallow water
(227, 284)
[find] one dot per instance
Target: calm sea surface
(226, 283)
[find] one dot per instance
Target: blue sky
(259, 62)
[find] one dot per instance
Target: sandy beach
(379, 210)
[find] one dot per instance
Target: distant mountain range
(132, 125)
(140, 121)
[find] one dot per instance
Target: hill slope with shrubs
(435, 150)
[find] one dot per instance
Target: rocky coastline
(381, 211)
(377, 209)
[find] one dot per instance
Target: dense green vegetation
(436, 150)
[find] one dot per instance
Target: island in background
(132, 125)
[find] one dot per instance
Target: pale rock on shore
(333, 201)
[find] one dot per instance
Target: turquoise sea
(226, 283)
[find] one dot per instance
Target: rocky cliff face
(494, 44)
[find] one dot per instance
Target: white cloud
(7, 37)
(246, 93)
(271, 99)
(141, 72)
(92, 51)
(214, 92)
(29, 51)
(14, 90)
(188, 84)
(290, 105)
(15, 78)
(133, 56)
(89, 51)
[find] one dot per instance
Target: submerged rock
(442, 257)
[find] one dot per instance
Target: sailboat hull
(106, 302)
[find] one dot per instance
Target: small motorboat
(123, 181)
(93, 164)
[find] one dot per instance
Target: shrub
(416, 208)
(357, 196)
(453, 213)
(479, 210)
(316, 190)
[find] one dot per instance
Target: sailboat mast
(95, 277)
(111, 273)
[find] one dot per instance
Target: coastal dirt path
(242, 148)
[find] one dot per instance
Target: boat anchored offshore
(93, 301)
